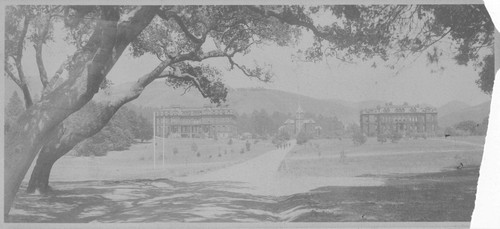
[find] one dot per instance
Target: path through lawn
(260, 176)
(264, 189)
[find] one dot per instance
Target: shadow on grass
(443, 196)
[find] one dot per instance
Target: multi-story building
(400, 118)
(195, 122)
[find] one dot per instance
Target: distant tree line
(125, 128)
(468, 128)
(261, 123)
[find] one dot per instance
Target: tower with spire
(294, 125)
(299, 119)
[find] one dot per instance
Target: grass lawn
(420, 184)
(137, 162)
(433, 197)
(321, 157)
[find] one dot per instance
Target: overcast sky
(327, 79)
(333, 79)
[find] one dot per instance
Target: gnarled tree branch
(38, 52)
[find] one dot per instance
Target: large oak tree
(183, 37)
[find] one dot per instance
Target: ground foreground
(443, 196)
(324, 181)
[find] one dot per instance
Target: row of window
(188, 129)
(195, 113)
(194, 121)
(372, 118)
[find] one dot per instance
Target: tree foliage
(179, 36)
(302, 138)
(467, 126)
(121, 131)
(13, 109)
(358, 138)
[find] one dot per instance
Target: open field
(419, 182)
(323, 157)
(137, 162)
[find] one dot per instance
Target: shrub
(198, 154)
(420, 135)
(247, 144)
(358, 138)
(175, 150)
(194, 147)
(302, 138)
(395, 136)
(242, 151)
(382, 138)
(456, 132)
(230, 142)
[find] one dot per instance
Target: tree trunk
(40, 176)
(69, 135)
(88, 68)
(48, 155)
(66, 138)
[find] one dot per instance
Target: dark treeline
(262, 123)
(467, 128)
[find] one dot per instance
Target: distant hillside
(246, 100)
(369, 104)
(242, 100)
(452, 107)
(476, 113)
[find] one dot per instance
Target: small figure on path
(342, 156)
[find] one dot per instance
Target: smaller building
(300, 124)
(404, 119)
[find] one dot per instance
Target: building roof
(195, 111)
(299, 109)
(404, 108)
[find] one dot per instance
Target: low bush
(382, 138)
(247, 145)
(358, 138)
(396, 136)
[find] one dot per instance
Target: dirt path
(255, 176)
(260, 176)
(252, 171)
